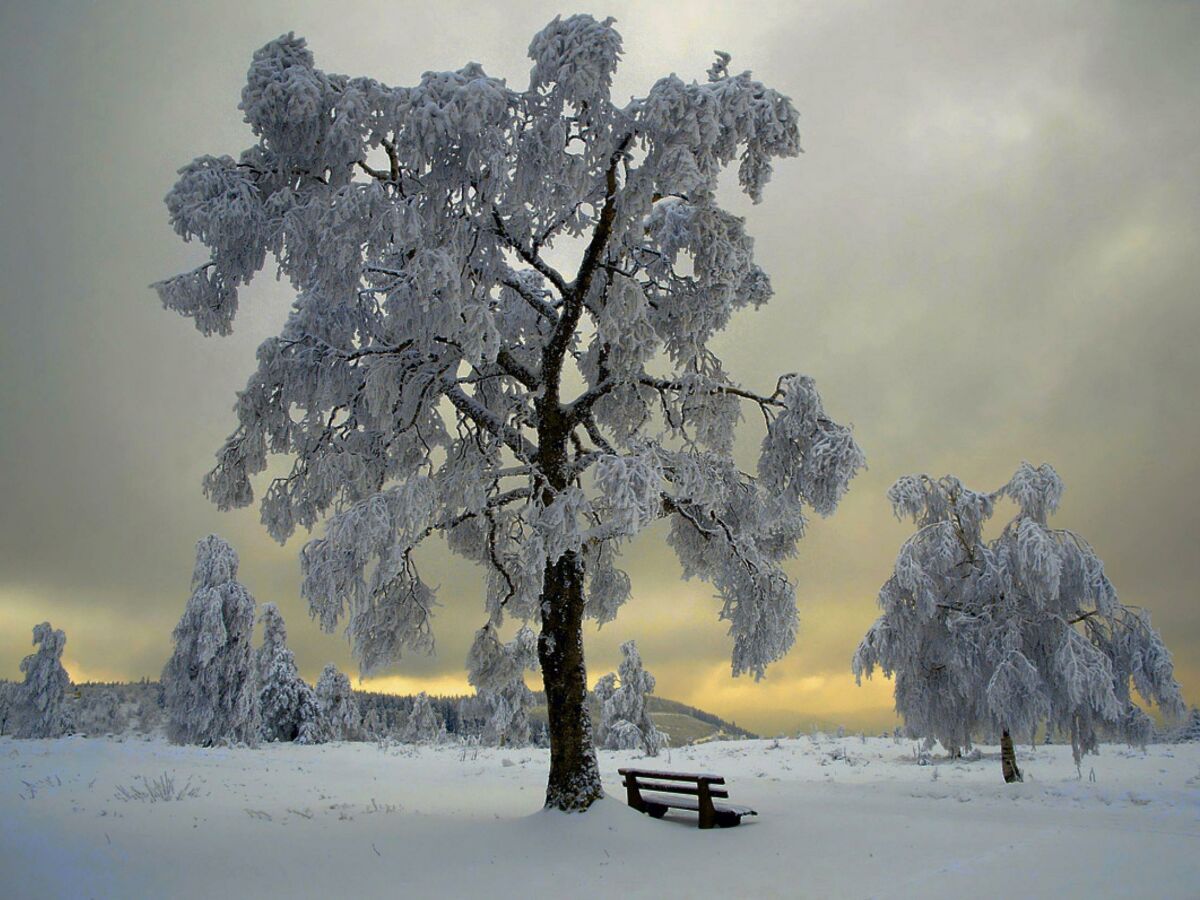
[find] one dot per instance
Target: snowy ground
(354, 820)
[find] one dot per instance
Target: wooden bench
(682, 790)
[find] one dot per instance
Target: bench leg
(634, 797)
(708, 814)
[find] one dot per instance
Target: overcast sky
(989, 252)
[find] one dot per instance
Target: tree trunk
(574, 783)
(1008, 759)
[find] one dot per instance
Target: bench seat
(675, 801)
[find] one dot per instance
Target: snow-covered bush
(288, 705)
(340, 718)
(39, 708)
(210, 683)
(625, 723)
(424, 725)
(497, 672)
(420, 384)
(999, 637)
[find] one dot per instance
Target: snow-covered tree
(423, 725)
(625, 723)
(427, 232)
(998, 637)
(497, 672)
(210, 683)
(341, 719)
(39, 708)
(1190, 730)
(286, 702)
(8, 701)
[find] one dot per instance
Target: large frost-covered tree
(625, 722)
(210, 683)
(287, 704)
(998, 637)
(39, 703)
(497, 672)
(503, 305)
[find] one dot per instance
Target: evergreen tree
(996, 638)
(339, 713)
(286, 701)
(421, 228)
(424, 725)
(39, 704)
(210, 683)
(625, 723)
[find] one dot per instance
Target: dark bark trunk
(1008, 759)
(574, 783)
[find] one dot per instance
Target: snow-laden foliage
(288, 705)
(625, 723)
(418, 384)
(340, 718)
(100, 713)
(983, 637)
(8, 700)
(497, 672)
(39, 707)
(424, 725)
(210, 683)
(1190, 729)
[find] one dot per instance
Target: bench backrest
(696, 777)
(693, 784)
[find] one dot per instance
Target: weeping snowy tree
(210, 683)
(497, 672)
(503, 305)
(998, 637)
(288, 705)
(625, 723)
(423, 725)
(39, 707)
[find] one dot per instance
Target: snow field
(838, 818)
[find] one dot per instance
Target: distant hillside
(685, 724)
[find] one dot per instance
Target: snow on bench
(692, 791)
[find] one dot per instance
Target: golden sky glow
(989, 251)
